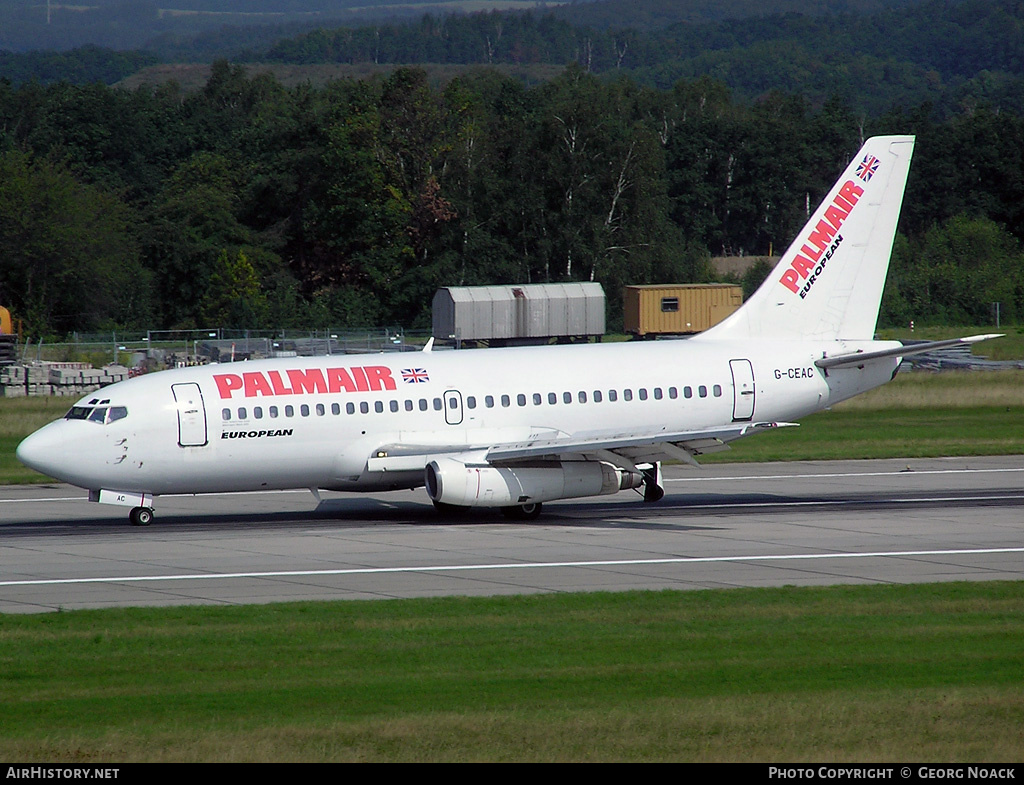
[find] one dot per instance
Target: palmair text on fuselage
(512, 428)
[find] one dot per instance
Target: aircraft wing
(629, 448)
(624, 449)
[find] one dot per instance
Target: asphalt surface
(806, 523)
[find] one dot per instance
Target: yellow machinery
(8, 338)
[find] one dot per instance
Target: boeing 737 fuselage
(511, 428)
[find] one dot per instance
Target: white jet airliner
(512, 428)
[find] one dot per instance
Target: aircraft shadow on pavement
(677, 511)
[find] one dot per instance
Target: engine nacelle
(450, 481)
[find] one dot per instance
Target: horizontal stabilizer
(859, 358)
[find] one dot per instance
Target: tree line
(247, 204)
(874, 54)
(943, 51)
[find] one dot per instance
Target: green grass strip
(921, 672)
(889, 433)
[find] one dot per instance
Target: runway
(806, 523)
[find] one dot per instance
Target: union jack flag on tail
(415, 375)
(867, 167)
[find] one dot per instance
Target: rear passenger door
(743, 389)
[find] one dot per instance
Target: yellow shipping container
(678, 309)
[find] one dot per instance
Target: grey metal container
(519, 311)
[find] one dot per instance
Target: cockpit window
(100, 414)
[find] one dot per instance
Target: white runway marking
(844, 474)
(55, 499)
(518, 566)
(855, 502)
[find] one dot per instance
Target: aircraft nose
(43, 450)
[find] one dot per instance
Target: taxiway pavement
(803, 523)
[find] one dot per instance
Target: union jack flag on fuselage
(867, 167)
(415, 375)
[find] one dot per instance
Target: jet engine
(450, 481)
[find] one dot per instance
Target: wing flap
(635, 446)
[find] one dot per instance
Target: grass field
(880, 673)
(18, 418)
(918, 415)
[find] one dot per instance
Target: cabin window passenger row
(102, 414)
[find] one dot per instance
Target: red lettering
(790, 280)
(306, 382)
(839, 201)
(379, 377)
(256, 384)
(360, 377)
(810, 253)
(802, 266)
(822, 235)
(278, 384)
(311, 381)
(835, 216)
(851, 192)
(227, 383)
(338, 379)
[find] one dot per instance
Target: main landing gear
(141, 516)
(654, 490)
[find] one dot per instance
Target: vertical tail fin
(829, 282)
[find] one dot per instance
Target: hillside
(326, 183)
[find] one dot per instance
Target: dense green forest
(247, 204)
(873, 54)
(346, 202)
(937, 50)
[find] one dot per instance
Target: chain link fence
(167, 348)
(86, 361)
